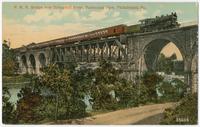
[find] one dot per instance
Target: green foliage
(185, 113)
(8, 110)
(67, 96)
(131, 95)
(106, 73)
(57, 80)
(143, 96)
(102, 97)
(26, 105)
(105, 78)
(109, 91)
(181, 88)
(172, 91)
(81, 80)
(167, 64)
(81, 83)
(127, 93)
(46, 109)
(150, 81)
(70, 66)
(64, 91)
(59, 83)
(9, 65)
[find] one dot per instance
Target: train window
(114, 30)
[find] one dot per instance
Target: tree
(165, 64)
(161, 62)
(142, 96)
(127, 93)
(181, 88)
(59, 83)
(81, 83)
(172, 91)
(9, 63)
(173, 57)
(105, 78)
(27, 104)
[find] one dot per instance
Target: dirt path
(152, 120)
(128, 116)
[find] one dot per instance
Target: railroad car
(97, 34)
(133, 29)
(146, 25)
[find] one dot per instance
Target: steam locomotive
(146, 25)
(159, 23)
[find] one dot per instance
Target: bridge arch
(32, 62)
(24, 64)
(153, 48)
(42, 60)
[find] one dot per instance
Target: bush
(105, 79)
(8, 110)
(150, 80)
(67, 110)
(67, 97)
(185, 113)
(172, 91)
(127, 94)
(143, 94)
(26, 105)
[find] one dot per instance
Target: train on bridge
(146, 25)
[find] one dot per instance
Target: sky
(24, 23)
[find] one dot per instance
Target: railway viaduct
(132, 53)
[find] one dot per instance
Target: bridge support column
(22, 68)
(30, 68)
(37, 62)
(188, 74)
(48, 56)
(194, 71)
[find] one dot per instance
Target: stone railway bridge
(133, 53)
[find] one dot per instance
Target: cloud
(156, 13)
(137, 15)
(179, 12)
(97, 15)
(23, 34)
(45, 15)
(115, 14)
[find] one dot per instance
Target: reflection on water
(14, 92)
